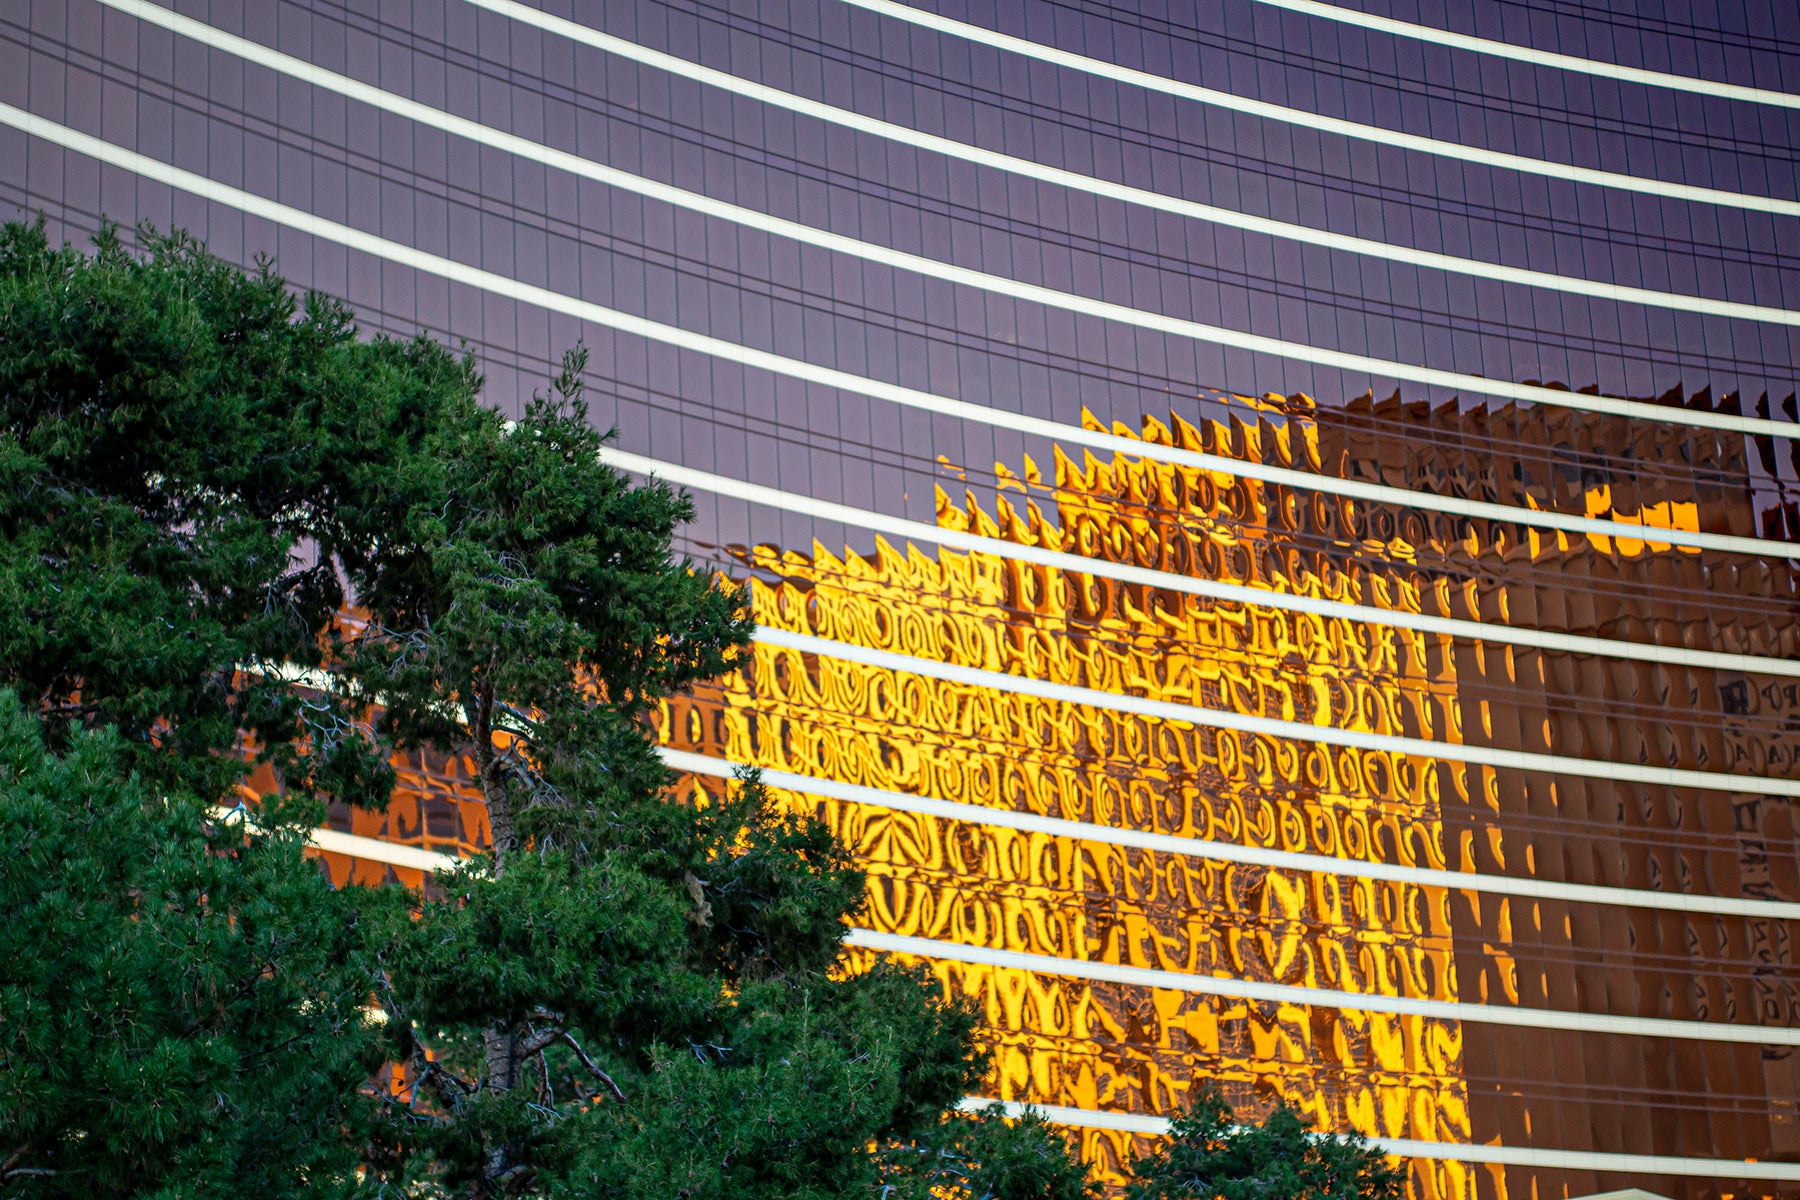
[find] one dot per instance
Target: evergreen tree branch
(594, 1067)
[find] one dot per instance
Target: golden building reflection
(1123, 1048)
(1097, 1045)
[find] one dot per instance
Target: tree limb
(593, 1066)
(546, 1094)
(538, 1042)
(441, 1082)
(408, 1111)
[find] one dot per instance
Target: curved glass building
(1273, 522)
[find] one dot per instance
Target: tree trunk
(499, 1043)
(499, 806)
(493, 783)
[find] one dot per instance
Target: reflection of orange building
(1097, 1046)
(1100, 1046)
(1593, 1090)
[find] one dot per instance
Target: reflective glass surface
(916, 272)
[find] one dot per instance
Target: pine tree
(183, 1008)
(1211, 1156)
(180, 1001)
(631, 994)
(183, 443)
(627, 996)
(982, 1155)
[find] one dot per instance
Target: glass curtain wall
(1272, 524)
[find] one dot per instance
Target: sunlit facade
(1091, 1044)
(1430, 761)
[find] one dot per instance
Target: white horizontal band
(397, 854)
(1286, 993)
(1544, 1158)
(1585, 894)
(1073, 180)
(793, 368)
(1138, 839)
(356, 846)
(377, 850)
(1331, 125)
(1539, 58)
(461, 127)
(1325, 735)
(920, 265)
(1235, 593)
(1287, 860)
(1081, 1118)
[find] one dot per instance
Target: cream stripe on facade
(1539, 58)
(1521, 1156)
(1585, 894)
(414, 857)
(793, 368)
(1023, 167)
(995, 284)
(393, 251)
(1332, 125)
(377, 850)
(763, 360)
(1137, 839)
(1325, 735)
(1257, 991)
(1235, 593)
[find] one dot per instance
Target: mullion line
(1710, 596)
(1082, 1046)
(1354, 188)
(1440, 92)
(517, 80)
(1426, 90)
(1166, 915)
(1554, 702)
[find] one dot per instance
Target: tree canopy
(214, 489)
(1210, 1155)
(185, 446)
(182, 1007)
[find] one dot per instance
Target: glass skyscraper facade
(1272, 523)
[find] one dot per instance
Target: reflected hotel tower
(1271, 523)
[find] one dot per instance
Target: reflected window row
(521, 326)
(1409, 175)
(1289, 58)
(314, 188)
